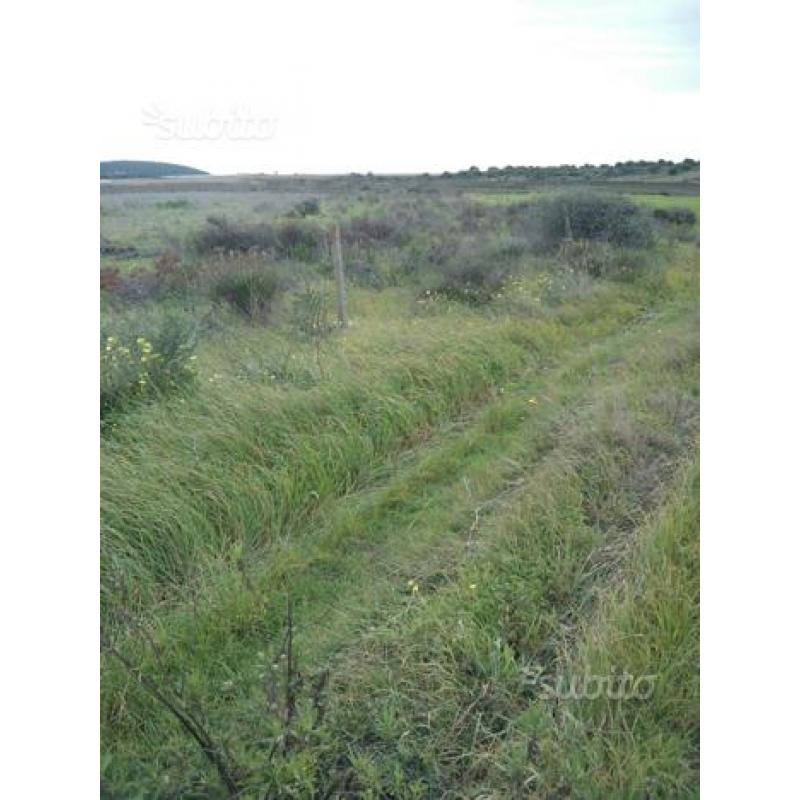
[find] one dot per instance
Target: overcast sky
(413, 86)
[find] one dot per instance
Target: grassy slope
(441, 497)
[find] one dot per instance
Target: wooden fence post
(338, 268)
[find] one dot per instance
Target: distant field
(366, 562)
(150, 216)
(650, 200)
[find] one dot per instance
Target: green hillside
(144, 169)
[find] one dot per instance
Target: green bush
(597, 217)
(306, 208)
(309, 316)
(249, 289)
(298, 240)
(144, 357)
(677, 216)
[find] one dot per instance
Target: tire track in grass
(231, 471)
(419, 522)
(450, 676)
(646, 621)
(451, 494)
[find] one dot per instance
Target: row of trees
(620, 169)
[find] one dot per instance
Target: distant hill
(144, 169)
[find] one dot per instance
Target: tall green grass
(454, 679)
(239, 465)
(407, 713)
(649, 622)
(458, 501)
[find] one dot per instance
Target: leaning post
(338, 268)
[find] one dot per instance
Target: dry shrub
(172, 274)
(366, 231)
(110, 279)
(221, 235)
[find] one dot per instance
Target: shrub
(306, 208)
(109, 248)
(145, 357)
(220, 235)
(249, 290)
(298, 240)
(429, 251)
(477, 267)
(472, 215)
(294, 239)
(311, 320)
(137, 285)
(602, 260)
(110, 279)
(310, 313)
(366, 232)
(172, 274)
(597, 217)
(364, 274)
(178, 203)
(677, 216)
(471, 277)
(468, 282)
(591, 258)
(629, 262)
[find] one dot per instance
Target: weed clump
(150, 357)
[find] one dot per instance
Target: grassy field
(367, 562)
(648, 200)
